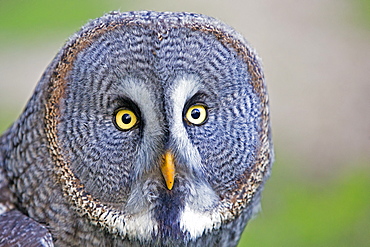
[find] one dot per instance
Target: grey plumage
(71, 166)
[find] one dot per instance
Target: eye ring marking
(125, 119)
(197, 114)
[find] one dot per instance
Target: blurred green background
(316, 59)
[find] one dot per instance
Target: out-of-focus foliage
(363, 7)
(312, 212)
(35, 18)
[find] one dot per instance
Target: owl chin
(189, 210)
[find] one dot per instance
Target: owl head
(158, 125)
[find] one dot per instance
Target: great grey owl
(147, 129)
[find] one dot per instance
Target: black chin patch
(168, 210)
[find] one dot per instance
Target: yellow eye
(196, 114)
(125, 119)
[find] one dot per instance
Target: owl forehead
(139, 60)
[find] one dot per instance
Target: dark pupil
(195, 113)
(126, 118)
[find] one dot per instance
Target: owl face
(160, 125)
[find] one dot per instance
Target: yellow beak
(168, 169)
